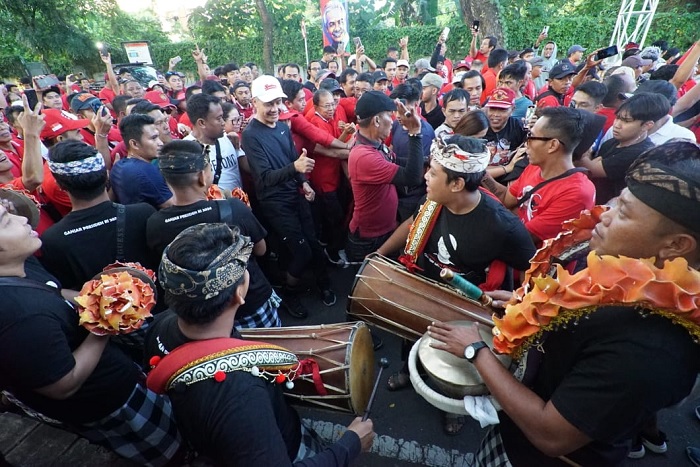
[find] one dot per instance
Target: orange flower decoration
(672, 291)
(241, 195)
(214, 192)
(117, 302)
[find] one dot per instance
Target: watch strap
(476, 346)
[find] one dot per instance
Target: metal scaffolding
(632, 24)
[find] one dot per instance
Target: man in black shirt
(188, 173)
(430, 107)
(591, 384)
(233, 413)
(505, 133)
(284, 192)
(52, 367)
(97, 232)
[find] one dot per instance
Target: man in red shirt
(497, 60)
(488, 44)
(241, 93)
(401, 72)
(560, 86)
(550, 190)
(374, 173)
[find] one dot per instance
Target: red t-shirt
(114, 136)
(479, 56)
(687, 86)
(326, 174)
(530, 90)
(552, 101)
(54, 193)
(376, 199)
(348, 104)
(609, 114)
(15, 156)
(106, 94)
(247, 112)
(552, 204)
(306, 135)
(490, 84)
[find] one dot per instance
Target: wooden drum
(345, 357)
(387, 295)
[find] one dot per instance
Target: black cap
(330, 84)
(562, 70)
(372, 103)
(379, 75)
(240, 84)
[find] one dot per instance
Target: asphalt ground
(410, 431)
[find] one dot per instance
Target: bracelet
(505, 171)
(101, 135)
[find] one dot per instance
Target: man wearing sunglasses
(550, 190)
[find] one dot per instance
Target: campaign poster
(138, 52)
(334, 22)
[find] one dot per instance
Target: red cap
(501, 98)
(60, 121)
(285, 113)
(463, 64)
(159, 98)
(631, 45)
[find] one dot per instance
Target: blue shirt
(136, 181)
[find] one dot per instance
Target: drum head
(361, 374)
(455, 376)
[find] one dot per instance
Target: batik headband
(223, 272)
(672, 193)
(83, 166)
(183, 162)
(452, 157)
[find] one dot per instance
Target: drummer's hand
(453, 339)
(365, 430)
(500, 298)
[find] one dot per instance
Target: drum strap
(419, 233)
(192, 362)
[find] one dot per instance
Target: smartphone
(358, 42)
(45, 82)
(606, 52)
(475, 25)
(529, 113)
(104, 111)
(177, 59)
(445, 33)
(545, 30)
(104, 50)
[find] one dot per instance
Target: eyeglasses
(328, 106)
(541, 138)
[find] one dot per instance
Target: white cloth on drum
(481, 409)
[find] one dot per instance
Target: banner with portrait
(334, 23)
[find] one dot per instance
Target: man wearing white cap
(278, 175)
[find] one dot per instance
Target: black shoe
(329, 297)
(293, 306)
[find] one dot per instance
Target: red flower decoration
(219, 376)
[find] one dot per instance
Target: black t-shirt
(244, 420)
(616, 161)
(507, 138)
(164, 225)
(271, 155)
(475, 239)
(435, 117)
(606, 376)
(38, 333)
(85, 241)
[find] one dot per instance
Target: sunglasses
(530, 137)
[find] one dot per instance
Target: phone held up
(358, 42)
(545, 30)
(475, 25)
(43, 83)
(606, 52)
(445, 34)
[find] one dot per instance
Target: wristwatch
(472, 350)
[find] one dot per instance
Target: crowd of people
(242, 190)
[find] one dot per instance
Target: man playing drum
(460, 227)
(229, 412)
(609, 346)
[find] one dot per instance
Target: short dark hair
(516, 70)
(131, 127)
(180, 146)
(661, 44)
(565, 124)
(496, 57)
(119, 103)
(195, 250)
(218, 71)
(391, 49)
(406, 92)
(11, 113)
(474, 74)
(230, 67)
(190, 91)
(525, 51)
(493, 41)
(594, 90)
(87, 186)
(616, 85)
(660, 87)
(664, 73)
(472, 181)
(198, 106)
(415, 83)
(291, 88)
(365, 78)
(292, 65)
(144, 107)
(645, 107)
(25, 80)
(210, 87)
(329, 50)
(388, 60)
(135, 101)
(343, 77)
(227, 107)
(455, 95)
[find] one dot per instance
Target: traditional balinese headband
(88, 165)
(452, 157)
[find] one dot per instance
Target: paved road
(410, 430)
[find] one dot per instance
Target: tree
(268, 26)
(487, 12)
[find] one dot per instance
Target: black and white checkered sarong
(142, 430)
(491, 452)
(311, 444)
(264, 317)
